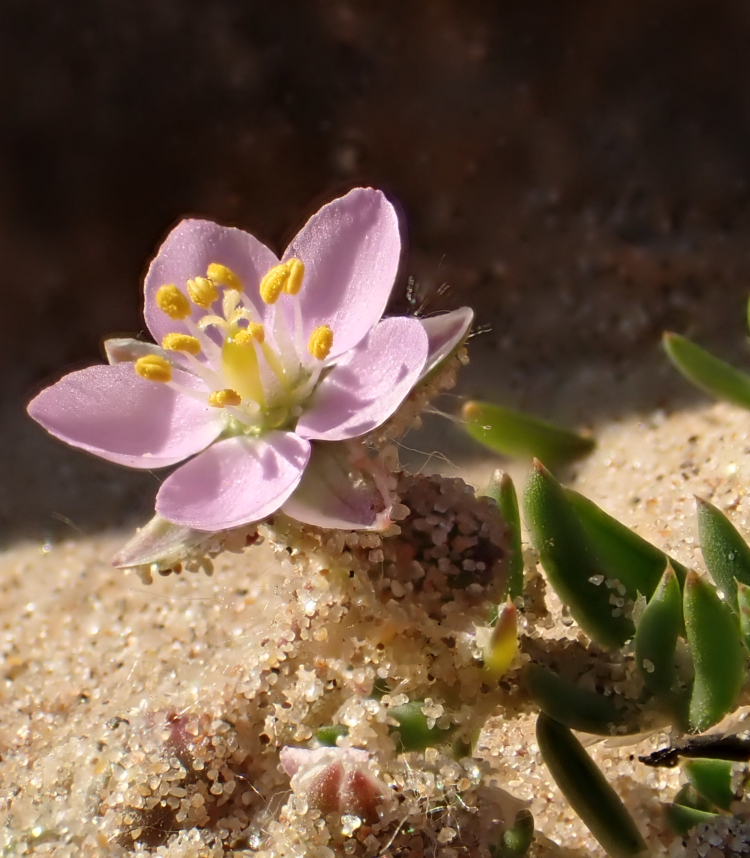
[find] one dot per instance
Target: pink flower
(261, 365)
(335, 780)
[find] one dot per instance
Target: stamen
(222, 398)
(272, 284)
(223, 276)
(181, 343)
(153, 368)
(257, 331)
(202, 292)
(171, 301)
(321, 342)
(296, 269)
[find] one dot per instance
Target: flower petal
(368, 384)
(445, 332)
(188, 251)
(115, 414)
(333, 493)
(351, 250)
(234, 482)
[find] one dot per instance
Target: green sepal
(656, 635)
(327, 735)
(636, 563)
(587, 790)
(743, 602)
(414, 732)
(503, 492)
(726, 553)
(711, 779)
(575, 707)
(682, 819)
(516, 840)
(520, 436)
(712, 375)
(717, 651)
(569, 561)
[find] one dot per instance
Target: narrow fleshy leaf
(577, 708)
(743, 601)
(518, 435)
(635, 563)
(726, 553)
(718, 654)
(516, 841)
(415, 734)
(587, 790)
(569, 561)
(503, 492)
(656, 636)
(327, 736)
(503, 644)
(689, 797)
(711, 779)
(682, 819)
(708, 372)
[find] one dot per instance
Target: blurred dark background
(579, 172)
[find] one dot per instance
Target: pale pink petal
(188, 251)
(115, 414)
(368, 384)
(335, 493)
(234, 482)
(351, 250)
(445, 333)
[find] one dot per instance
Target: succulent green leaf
(743, 602)
(327, 735)
(688, 797)
(637, 564)
(518, 435)
(516, 841)
(708, 372)
(718, 654)
(726, 553)
(656, 636)
(414, 731)
(587, 790)
(577, 708)
(503, 492)
(682, 819)
(569, 560)
(711, 779)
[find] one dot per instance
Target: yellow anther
(222, 398)
(171, 301)
(272, 285)
(223, 276)
(202, 292)
(181, 343)
(242, 337)
(296, 273)
(320, 343)
(153, 368)
(256, 331)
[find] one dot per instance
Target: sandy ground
(83, 643)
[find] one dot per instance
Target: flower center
(259, 372)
